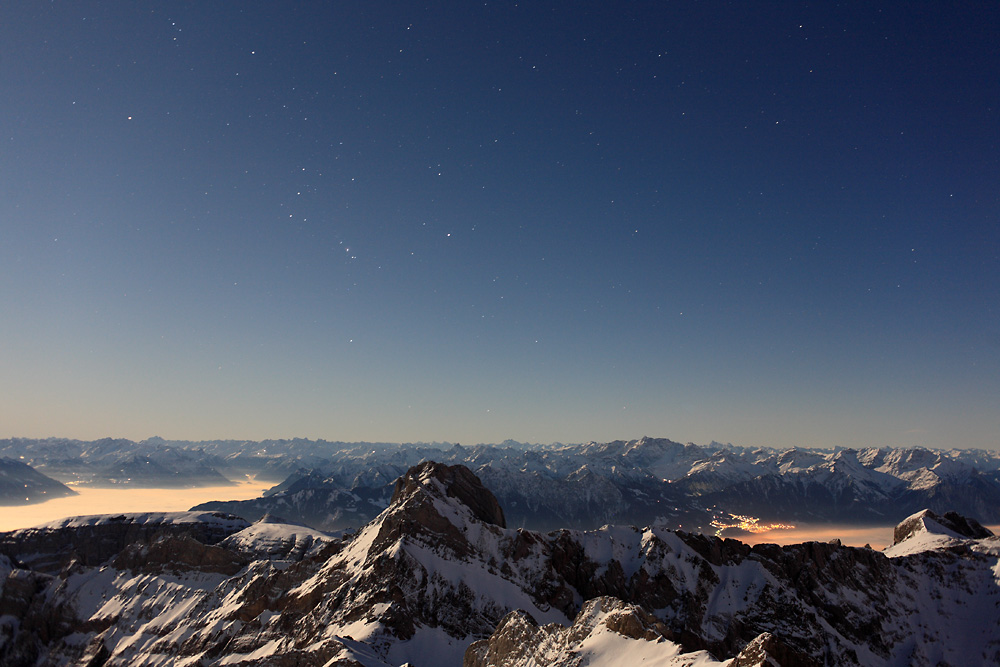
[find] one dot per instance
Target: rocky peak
(766, 650)
(930, 522)
(457, 482)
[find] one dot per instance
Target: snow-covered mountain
(336, 486)
(650, 481)
(439, 579)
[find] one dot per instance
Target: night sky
(761, 223)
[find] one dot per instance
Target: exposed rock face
(437, 571)
(459, 483)
(516, 641)
(766, 650)
(608, 631)
(178, 554)
(51, 547)
(519, 640)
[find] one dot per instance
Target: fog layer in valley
(93, 500)
(878, 537)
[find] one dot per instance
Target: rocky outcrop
(515, 641)
(519, 640)
(178, 554)
(29, 621)
(90, 541)
(766, 650)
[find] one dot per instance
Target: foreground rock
(437, 579)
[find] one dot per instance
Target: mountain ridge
(437, 571)
(653, 481)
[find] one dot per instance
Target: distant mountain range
(118, 462)
(650, 481)
(438, 579)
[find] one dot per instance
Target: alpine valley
(438, 578)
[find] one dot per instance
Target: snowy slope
(606, 632)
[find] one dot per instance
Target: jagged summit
(456, 482)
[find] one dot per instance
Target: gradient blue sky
(765, 223)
